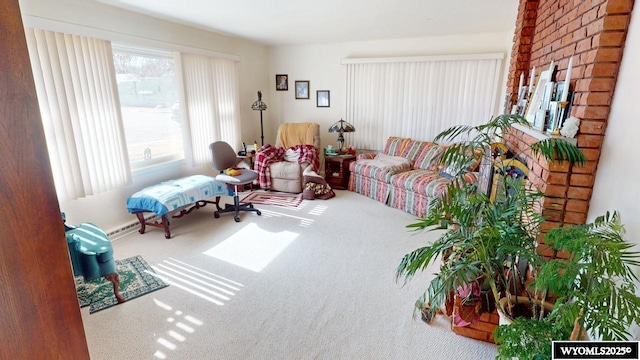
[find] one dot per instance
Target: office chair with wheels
(223, 157)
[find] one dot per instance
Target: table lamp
(341, 127)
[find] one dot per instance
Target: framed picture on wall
(282, 82)
(302, 89)
(322, 98)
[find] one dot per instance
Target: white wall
(320, 64)
(90, 18)
(616, 186)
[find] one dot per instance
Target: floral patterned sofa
(405, 175)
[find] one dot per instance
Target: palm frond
(559, 150)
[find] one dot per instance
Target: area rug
(136, 279)
(272, 198)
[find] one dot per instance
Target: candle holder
(562, 108)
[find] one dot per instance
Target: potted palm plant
(483, 238)
(594, 290)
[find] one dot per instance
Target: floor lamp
(260, 105)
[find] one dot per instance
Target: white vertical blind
(212, 102)
(77, 92)
(418, 97)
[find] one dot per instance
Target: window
(150, 108)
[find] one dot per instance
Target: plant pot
(465, 312)
(427, 315)
(522, 306)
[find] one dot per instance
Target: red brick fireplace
(594, 33)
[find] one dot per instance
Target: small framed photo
(540, 119)
(322, 98)
(548, 94)
(559, 90)
(282, 82)
(302, 89)
(535, 102)
(552, 123)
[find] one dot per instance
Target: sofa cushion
(421, 181)
(393, 163)
(395, 145)
(286, 170)
(414, 148)
(429, 156)
(381, 167)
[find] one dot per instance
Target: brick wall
(594, 33)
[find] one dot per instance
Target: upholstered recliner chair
(287, 175)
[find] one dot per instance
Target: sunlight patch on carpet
(252, 248)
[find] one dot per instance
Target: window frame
(165, 160)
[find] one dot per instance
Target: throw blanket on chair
(289, 135)
(269, 154)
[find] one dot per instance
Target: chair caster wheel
(237, 219)
(216, 215)
(250, 206)
(258, 212)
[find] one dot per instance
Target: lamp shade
(259, 104)
(341, 127)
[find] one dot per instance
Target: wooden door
(39, 313)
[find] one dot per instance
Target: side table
(336, 169)
(248, 159)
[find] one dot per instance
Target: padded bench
(174, 199)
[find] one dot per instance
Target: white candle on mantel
(520, 82)
(567, 79)
(533, 78)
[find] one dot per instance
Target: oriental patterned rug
(137, 278)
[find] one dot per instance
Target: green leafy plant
(482, 238)
(528, 338)
(596, 286)
(594, 290)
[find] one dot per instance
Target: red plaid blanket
(269, 154)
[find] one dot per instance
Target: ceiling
(297, 22)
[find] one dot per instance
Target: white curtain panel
(77, 92)
(212, 103)
(418, 97)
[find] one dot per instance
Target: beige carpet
(311, 282)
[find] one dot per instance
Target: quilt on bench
(174, 196)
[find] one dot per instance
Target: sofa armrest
(365, 156)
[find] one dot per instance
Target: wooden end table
(336, 169)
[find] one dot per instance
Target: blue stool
(92, 254)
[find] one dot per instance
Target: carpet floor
(315, 281)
